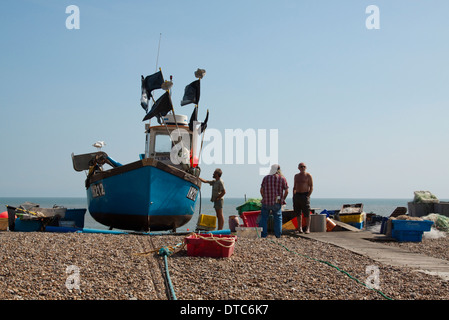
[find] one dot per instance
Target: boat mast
(147, 131)
(158, 50)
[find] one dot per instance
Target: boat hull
(144, 195)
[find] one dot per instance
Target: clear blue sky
(367, 110)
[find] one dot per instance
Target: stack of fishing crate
(353, 215)
(409, 229)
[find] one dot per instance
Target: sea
(381, 207)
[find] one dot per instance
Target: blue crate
(27, 225)
(411, 225)
(383, 227)
(61, 229)
(358, 225)
(407, 236)
(76, 215)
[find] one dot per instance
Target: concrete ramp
(359, 242)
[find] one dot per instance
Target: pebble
(33, 266)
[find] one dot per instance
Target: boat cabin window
(162, 143)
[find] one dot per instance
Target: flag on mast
(204, 123)
(150, 83)
(160, 108)
(191, 93)
(193, 118)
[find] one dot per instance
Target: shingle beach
(39, 265)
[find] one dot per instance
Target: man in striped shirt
(274, 191)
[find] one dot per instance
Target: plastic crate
(356, 218)
(210, 245)
(358, 225)
(383, 226)
(75, 215)
(411, 225)
(27, 225)
(250, 218)
(407, 236)
(249, 206)
(206, 222)
(61, 229)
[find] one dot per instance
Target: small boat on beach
(33, 212)
(159, 191)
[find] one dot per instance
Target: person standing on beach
(218, 192)
(274, 191)
(302, 189)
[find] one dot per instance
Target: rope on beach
(333, 266)
(165, 252)
(170, 249)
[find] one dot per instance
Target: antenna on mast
(158, 49)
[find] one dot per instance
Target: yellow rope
(37, 214)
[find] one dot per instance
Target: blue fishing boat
(160, 190)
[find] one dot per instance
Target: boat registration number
(97, 190)
(192, 193)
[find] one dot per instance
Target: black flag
(144, 98)
(204, 124)
(150, 83)
(193, 118)
(153, 82)
(191, 93)
(160, 108)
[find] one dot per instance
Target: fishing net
(440, 222)
(425, 197)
